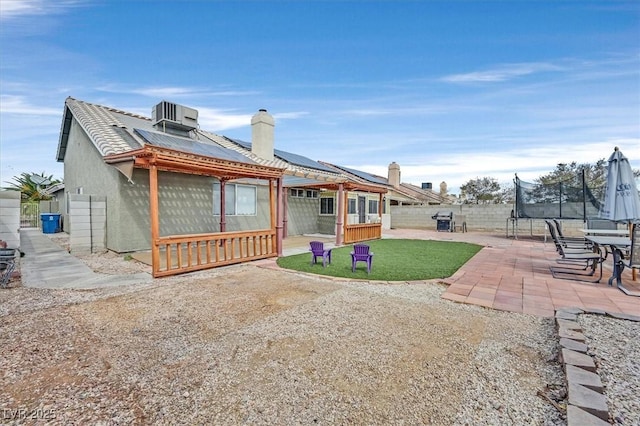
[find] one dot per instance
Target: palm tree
(32, 186)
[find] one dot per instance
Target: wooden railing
(362, 232)
(186, 253)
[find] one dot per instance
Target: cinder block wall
(10, 218)
(87, 223)
(479, 217)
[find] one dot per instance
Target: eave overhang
(175, 161)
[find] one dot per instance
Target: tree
(486, 190)
(32, 186)
(568, 179)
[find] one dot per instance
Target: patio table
(614, 245)
(607, 232)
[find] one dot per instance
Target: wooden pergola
(176, 254)
(347, 233)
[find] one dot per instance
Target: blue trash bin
(50, 223)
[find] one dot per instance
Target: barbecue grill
(443, 221)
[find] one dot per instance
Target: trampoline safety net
(572, 199)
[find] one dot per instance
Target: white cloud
(173, 92)
(16, 8)
(502, 73)
(290, 115)
(529, 163)
(11, 104)
(216, 120)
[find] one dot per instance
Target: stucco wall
(302, 215)
(86, 172)
(185, 204)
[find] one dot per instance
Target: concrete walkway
(47, 265)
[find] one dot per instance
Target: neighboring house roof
(425, 195)
(53, 188)
(405, 192)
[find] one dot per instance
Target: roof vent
(174, 116)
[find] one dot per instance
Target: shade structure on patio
(621, 199)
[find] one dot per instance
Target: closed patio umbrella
(621, 199)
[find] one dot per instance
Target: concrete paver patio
(513, 275)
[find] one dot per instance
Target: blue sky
(450, 90)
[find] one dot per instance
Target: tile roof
(99, 123)
(114, 131)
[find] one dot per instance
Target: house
(195, 198)
(399, 193)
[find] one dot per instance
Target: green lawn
(393, 260)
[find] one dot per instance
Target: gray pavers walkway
(47, 265)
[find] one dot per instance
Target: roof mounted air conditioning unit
(168, 114)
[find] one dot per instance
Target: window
(240, 200)
(351, 208)
(245, 200)
(295, 192)
(312, 193)
(326, 206)
(373, 206)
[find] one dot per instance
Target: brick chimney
(394, 175)
(262, 125)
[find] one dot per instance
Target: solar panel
(300, 160)
(290, 157)
(191, 146)
(364, 175)
(242, 143)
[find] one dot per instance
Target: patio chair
(317, 250)
(586, 261)
(634, 251)
(576, 240)
(460, 223)
(7, 265)
(361, 253)
(568, 246)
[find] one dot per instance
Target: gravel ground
(615, 346)
(248, 345)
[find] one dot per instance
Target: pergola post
(223, 196)
(341, 217)
(279, 214)
(285, 215)
(154, 219)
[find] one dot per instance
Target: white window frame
(333, 206)
(248, 193)
(352, 202)
(375, 204)
(296, 192)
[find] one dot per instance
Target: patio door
(362, 209)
